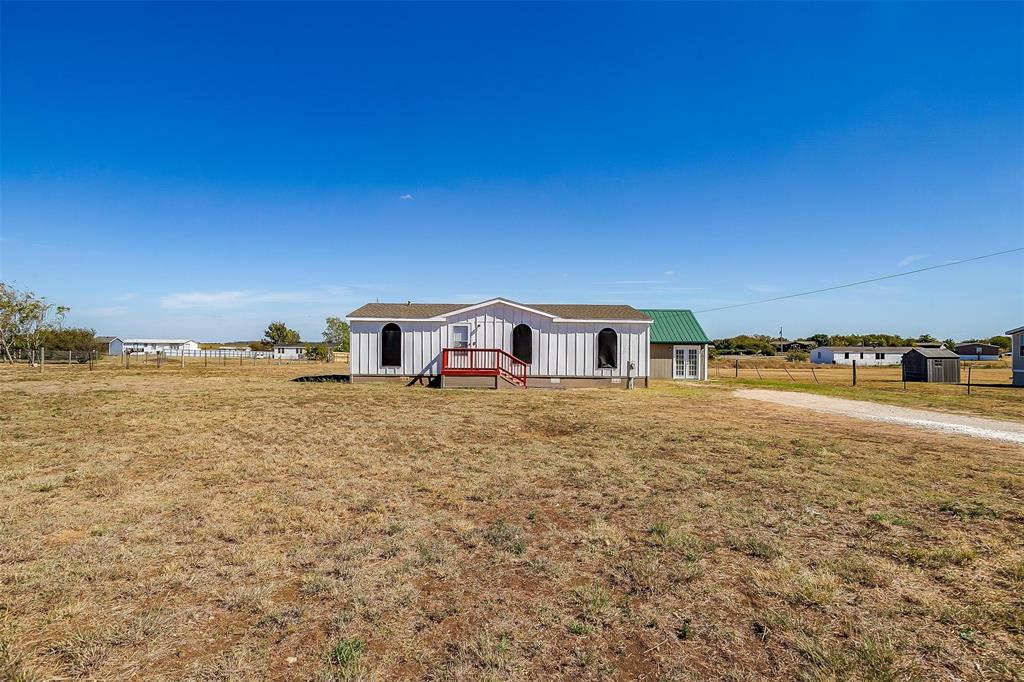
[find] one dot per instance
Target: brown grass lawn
(229, 524)
(992, 394)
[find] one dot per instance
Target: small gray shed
(936, 365)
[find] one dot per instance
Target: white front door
(684, 362)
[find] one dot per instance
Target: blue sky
(200, 170)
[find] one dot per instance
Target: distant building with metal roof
(978, 351)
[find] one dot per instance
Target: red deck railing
(483, 362)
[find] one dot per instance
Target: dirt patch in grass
(228, 523)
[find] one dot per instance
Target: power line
(863, 281)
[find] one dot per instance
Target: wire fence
(769, 370)
(47, 358)
(35, 356)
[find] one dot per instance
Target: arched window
(607, 348)
(522, 342)
(391, 345)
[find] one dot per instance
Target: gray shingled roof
(865, 349)
(569, 311)
(936, 352)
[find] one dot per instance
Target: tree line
(762, 344)
(29, 322)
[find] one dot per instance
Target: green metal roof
(675, 326)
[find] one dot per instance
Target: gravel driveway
(976, 427)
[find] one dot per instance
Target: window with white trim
(460, 336)
(391, 345)
(607, 349)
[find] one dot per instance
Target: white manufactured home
(159, 345)
(501, 342)
(289, 351)
(863, 355)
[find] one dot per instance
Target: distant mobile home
(1017, 350)
(864, 355)
(159, 345)
(977, 351)
(289, 351)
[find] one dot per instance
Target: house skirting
(488, 382)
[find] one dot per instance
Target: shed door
(937, 373)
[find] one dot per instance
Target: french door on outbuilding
(684, 362)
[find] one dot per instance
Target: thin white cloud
(236, 299)
(670, 273)
(205, 299)
(764, 288)
(912, 258)
(635, 281)
(650, 291)
(405, 197)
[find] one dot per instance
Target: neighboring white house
(114, 345)
(1017, 349)
(864, 355)
(289, 351)
(162, 345)
(482, 343)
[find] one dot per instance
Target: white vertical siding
(564, 349)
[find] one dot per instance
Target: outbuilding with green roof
(679, 346)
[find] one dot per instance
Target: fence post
(42, 359)
(69, 358)
(737, 368)
(813, 374)
(854, 372)
(757, 370)
(183, 358)
(787, 372)
(968, 379)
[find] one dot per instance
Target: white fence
(213, 353)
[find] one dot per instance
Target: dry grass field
(226, 523)
(992, 394)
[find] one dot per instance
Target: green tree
(24, 318)
(950, 344)
(336, 335)
(68, 338)
(1003, 342)
(317, 351)
(820, 339)
(278, 332)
